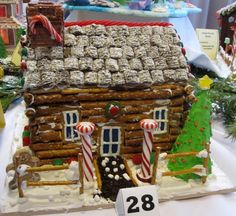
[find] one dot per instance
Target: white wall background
(207, 19)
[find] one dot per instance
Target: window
(110, 141)
(71, 118)
(160, 115)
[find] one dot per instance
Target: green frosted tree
(3, 51)
(195, 136)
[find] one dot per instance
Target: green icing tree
(195, 135)
(3, 51)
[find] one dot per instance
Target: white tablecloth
(223, 152)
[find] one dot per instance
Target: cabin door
(110, 141)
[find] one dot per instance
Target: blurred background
(207, 19)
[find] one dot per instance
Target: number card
(137, 201)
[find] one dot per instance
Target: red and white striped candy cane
(148, 125)
(85, 129)
(46, 24)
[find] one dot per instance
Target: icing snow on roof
(228, 9)
(109, 56)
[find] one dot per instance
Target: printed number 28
(147, 204)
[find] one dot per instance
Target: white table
(223, 152)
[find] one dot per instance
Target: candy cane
(148, 125)
(46, 24)
(85, 129)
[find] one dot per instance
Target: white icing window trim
(71, 125)
(110, 143)
(160, 120)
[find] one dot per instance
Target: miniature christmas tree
(195, 136)
(3, 51)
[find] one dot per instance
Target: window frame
(160, 120)
(110, 143)
(71, 125)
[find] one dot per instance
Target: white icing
(162, 156)
(73, 172)
(115, 170)
(126, 176)
(122, 166)
(104, 163)
(110, 176)
(43, 107)
(203, 154)
(203, 170)
(22, 169)
(107, 169)
(113, 163)
(158, 176)
(52, 124)
(65, 192)
(97, 198)
(117, 177)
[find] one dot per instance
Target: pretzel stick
(130, 173)
(181, 172)
(154, 169)
(47, 168)
(19, 179)
(81, 175)
(182, 154)
(99, 180)
(50, 183)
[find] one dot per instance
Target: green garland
(223, 94)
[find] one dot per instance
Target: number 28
(147, 204)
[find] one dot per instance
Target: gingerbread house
(227, 18)
(9, 10)
(113, 74)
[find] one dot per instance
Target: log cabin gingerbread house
(227, 21)
(10, 11)
(112, 74)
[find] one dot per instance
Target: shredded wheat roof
(113, 56)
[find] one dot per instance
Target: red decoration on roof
(117, 23)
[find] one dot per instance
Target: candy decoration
(46, 24)
(24, 52)
(148, 125)
(137, 159)
(113, 109)
(23, 65)
(183, 51)
(57, 162)
(85, 130)
(26, 136)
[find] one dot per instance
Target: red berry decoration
(26, 136)
(113, 109)
(137, 159)
(26, 141)
(183, 51)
